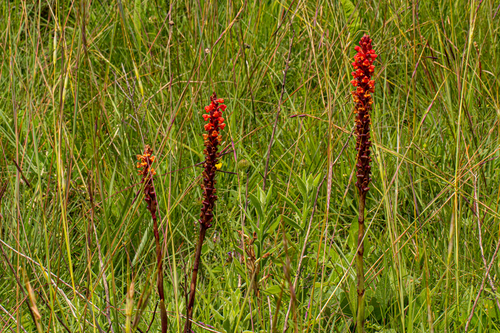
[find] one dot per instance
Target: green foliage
(86, 84)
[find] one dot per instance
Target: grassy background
(84, 85)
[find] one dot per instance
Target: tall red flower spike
(363, 65)
(212, 139)
(363, 71)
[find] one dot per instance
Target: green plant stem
(194, 277)
(159, 261)
(360, 320)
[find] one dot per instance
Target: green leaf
(216, 313)
(291, 204)
(291, 223)
(217, 269)
(316, 180)
(262, 196)
(273, 290)
(302, 187)
(273, 226)
(239, 268)
(137, 21)
(141, 247)
(269, 195)
(351, 16)
(257, 204)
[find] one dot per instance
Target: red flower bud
(222, 126)
(206, 117)
(220, 100)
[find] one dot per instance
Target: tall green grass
(84, 85)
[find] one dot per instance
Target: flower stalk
(363, 65)
(212, 138)
(147, 172)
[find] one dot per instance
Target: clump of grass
(363, 65)
(212, 139)
(147, 172)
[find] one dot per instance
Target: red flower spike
(364, 84)
(212, 139)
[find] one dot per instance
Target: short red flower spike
(362, 97)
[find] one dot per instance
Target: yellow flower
(218, 165)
